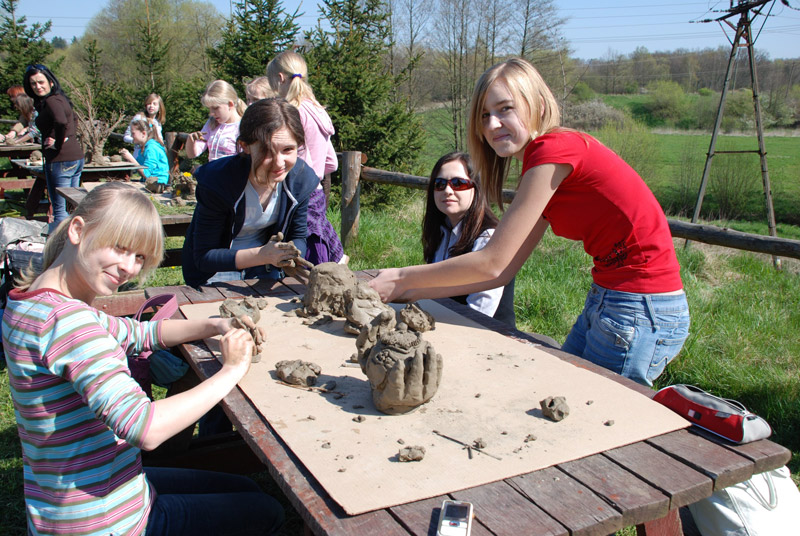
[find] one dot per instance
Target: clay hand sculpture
(404, 371)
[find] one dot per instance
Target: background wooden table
(174, 224)
(640, 484)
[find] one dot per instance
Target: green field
(743, 342)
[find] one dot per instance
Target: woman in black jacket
(56, 120)
(245, 199)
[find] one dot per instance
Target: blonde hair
(261, 86)
(291, 65)
(148, 128)
(219, 93)
(115, 215)
(161, 114)
(535, 105)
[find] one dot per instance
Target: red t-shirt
(607, 206)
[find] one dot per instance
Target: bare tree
(410, 23)
(92, 130)
(454, 25)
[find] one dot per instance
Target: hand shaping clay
(245, 314)
(411, 454)
(298, 372)
(404, 371)
(416, 318)
(555, 408)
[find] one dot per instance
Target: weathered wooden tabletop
(89, 173)
(640, 484)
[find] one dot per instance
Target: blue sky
(595, 27)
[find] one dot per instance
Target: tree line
(373, 63)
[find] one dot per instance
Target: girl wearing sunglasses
(635, 318)
(458, 220)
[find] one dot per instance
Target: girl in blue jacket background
(152, 155)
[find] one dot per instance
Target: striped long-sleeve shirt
(80, 416)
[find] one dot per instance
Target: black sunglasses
(37, 66)
(457, 184)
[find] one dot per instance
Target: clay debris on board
(411, 454)
(555, 408)
(298, 372)
(246, 314)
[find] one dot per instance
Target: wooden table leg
(35, 195)
(669, 525)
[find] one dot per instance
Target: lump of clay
(411, 454)
(555, 408)
(416, 318)
(232, 308)
(35, 156)
(116, 158)
(245, 314)
(362, 304)
(297, 372)
(404, 371)
(327, 283)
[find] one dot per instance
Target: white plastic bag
(768, 504)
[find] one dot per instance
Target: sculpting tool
(470, 447)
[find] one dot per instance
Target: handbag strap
(770, 504)
(168, 303)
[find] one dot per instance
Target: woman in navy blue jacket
(245, 199)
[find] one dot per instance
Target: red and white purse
(720, 416)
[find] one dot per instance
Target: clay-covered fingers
(237, 349)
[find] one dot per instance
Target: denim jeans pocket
(668, 345)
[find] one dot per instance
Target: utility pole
(743, 38)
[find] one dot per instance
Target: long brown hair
(476, 219)
(534, 102)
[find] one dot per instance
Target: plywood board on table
(491, 388)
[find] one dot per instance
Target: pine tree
(257, 31)
(20, 46)
(152, 53)
(350, 73)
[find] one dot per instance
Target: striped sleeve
(88, 349)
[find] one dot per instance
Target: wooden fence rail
(353, 171)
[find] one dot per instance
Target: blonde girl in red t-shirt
(635, 318)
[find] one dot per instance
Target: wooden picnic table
(640, 484)
(174, 224)
(39, 186)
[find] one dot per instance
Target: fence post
(351, 174)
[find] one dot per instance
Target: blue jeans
(192, 501)
(634, 335)
(59, 174)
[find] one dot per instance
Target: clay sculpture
(297, 372)
(245, 314)
(404, 371)
(416, 318)
(327, 284)
(362, 304)
(555, 408)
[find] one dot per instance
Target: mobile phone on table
(455, 519)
